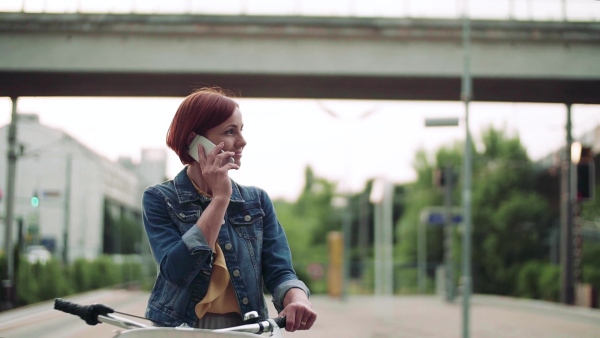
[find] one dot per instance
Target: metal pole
(378, 249)
(346, 229)
(466, 257)
(448, 227)
(422, 256)
(67, 209)
(567, 294)
(8, 283)
(388, 238)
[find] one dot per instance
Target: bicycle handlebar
(99, 313)
(89, 313)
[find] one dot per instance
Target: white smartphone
(206, 144)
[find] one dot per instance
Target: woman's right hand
(214, 167)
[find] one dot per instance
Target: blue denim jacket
(253, 242)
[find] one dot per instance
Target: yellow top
(220, 297)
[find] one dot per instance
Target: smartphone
(206, 144)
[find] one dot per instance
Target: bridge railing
(537, 10)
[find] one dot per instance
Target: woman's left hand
(298, 311)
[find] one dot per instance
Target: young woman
(217, 244)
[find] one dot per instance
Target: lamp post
(345, 204)
(466, 93)
(8, 283)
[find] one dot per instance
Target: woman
(217, 244)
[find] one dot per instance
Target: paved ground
(429, 316)
(358, 316)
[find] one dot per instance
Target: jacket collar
(184, 188)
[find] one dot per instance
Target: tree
(509, 217)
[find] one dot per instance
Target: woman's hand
(214, 168)
(298, 311)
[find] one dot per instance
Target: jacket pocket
(184, 217)
(248, 222)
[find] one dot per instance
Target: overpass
(77, 54)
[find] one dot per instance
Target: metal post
(8, 283)
(388, 238)
(381, 197)
(378, 249)
(448, 230)
(422, 256)
(346, 232)
(466, 254)
(567, 292)
(67, 209)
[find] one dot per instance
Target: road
(357, 316)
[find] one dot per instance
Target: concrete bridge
(78, 54)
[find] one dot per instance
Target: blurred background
(409, 146)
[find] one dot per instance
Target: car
(38, 254)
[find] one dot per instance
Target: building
(67, 193)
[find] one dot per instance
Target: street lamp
(466, 94)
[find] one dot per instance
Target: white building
(76, 187)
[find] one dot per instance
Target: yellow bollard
(335, 278)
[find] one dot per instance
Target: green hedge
(538, 280)
(39, 282)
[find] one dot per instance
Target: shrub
(39, 282)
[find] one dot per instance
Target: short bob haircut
(200, 111)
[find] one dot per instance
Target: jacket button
(228, 246)
(245, 301)
(236, 273)
(247, 218)
(181, 214)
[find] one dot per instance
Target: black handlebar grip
(89, 313)
(280, 321)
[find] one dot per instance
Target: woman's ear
(191, 137)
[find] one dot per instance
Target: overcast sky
(284, 136)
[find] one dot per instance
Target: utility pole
(567, 290)
(466, 93)
(9, 283)
(448, 231)
(67, 208)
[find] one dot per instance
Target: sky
(285, 136)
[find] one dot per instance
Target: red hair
(200, 111)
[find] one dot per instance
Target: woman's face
(230, 133)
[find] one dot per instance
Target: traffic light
(444, 176)
(584, 159)
(35, 201)
(585, 181)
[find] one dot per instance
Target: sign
(437, 216)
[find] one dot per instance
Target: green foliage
(82, 274)
(510, 219)
(123, 232)
(39, 282)
(539, 281)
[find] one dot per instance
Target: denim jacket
(253, 242)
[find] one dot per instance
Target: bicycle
(99, 313)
